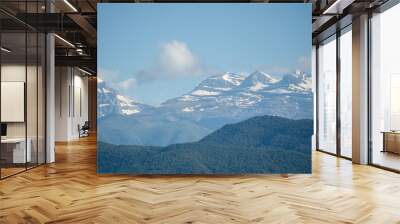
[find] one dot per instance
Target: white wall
(17, 73)
(71, 102)
(62, 81)
(33, 126)
(80, 105)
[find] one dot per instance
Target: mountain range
(111, 102)
(263, 144)
(218, 100)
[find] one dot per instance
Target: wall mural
(204, 88)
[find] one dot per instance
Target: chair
(84, 130)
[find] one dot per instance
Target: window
(327, 95)
(385, 89)
(346, 92)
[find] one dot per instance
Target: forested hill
(265, 132)
(264, 144)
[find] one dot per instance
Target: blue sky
(153, 52)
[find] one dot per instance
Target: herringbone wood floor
(70, 191)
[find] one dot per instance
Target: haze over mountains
(216, 101)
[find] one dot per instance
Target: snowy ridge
(227, 94)
(200, 92)
(232, 78)
(111, 102)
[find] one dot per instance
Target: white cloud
(127, 84)
(176, 59)
(113, 77)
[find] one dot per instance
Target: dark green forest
(264, 144)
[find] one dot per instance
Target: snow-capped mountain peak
(233, 78)
(296, 82)
(124, 101)
(258, 80)
(263, 76)
(112, 102)
(216, 84)
(219, 95)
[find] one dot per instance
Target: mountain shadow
(264, 144)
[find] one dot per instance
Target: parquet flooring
(70, 191)
(10, 171)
